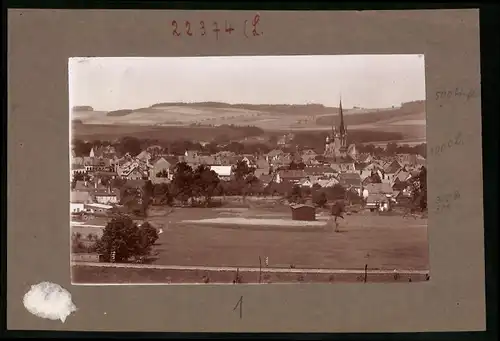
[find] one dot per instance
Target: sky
(367, 81)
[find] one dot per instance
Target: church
(336, 148)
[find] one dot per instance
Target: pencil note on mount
(50, 301)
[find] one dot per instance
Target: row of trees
(393, 149)
(134, 146)
(315, 141)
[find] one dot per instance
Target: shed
(303, 212)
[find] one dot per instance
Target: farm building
(303, 212)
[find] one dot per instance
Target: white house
(78, 200)
(106, 197)
(224, 172)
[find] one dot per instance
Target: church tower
(336, 142)
(342, 134)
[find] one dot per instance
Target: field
(233, 237)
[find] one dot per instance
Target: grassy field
(189, 239)
(165, 133)
(383, 242)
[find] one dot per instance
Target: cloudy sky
(369, 81)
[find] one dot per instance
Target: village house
(77, 160)
(77, 169)
(282, 160)
(135, 174)
(161, 171)
(267, 179)
(378, 202)
(94, 164)
(103, 174)
(274, 155)
(309, 157)
(324, 171)
(346, 166)
(391, 167)
(351, 181)
(223, 172)
(378, 188)
(106, 197)
(97, 208)
(261, 167)
(305, 182)
(290, 176)
(249, 160)
(352, 151)
(326, 183)
(78, 199)
(105, 152)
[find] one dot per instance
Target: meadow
(242, 235)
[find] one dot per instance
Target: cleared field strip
(251, 269)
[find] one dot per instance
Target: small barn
(303, 212)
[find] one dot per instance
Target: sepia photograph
(248, 169)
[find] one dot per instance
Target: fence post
(260, 269)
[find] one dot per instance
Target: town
(126, 178)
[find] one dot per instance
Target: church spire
(342, 127)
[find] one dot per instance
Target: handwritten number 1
(175, 33)
(245, 29)
(239, 303)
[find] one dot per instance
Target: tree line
(133, 146)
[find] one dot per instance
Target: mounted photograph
(248, 169)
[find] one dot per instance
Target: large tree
(420, 189)
(126, 240)
(129, 145)
(182, 182)
(205, 182)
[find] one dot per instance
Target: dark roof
(295, 173)
(376, 197)
(379, 188)
(350, 179)
(135, 183)
(319, 170)
(360, 166)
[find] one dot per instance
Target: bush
(320, 199)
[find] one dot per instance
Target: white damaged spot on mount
(50, 301)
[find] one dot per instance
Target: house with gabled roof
(351, 181)
(323, 170)
(290, 176)
(78, 199)
(161, 171)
